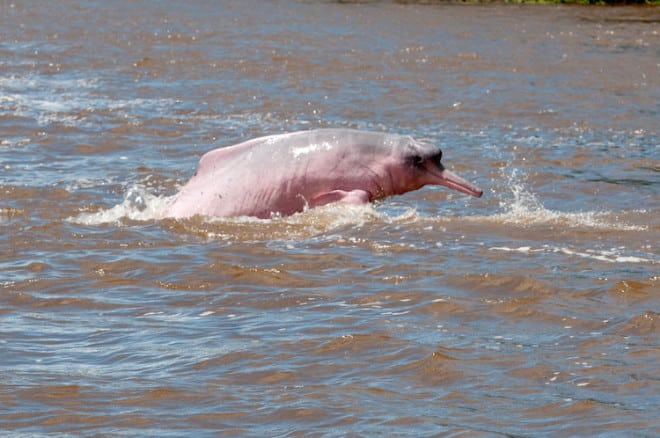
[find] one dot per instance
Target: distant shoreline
(566, 2)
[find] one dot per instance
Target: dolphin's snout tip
(472, 191)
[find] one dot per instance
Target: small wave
(543, 216)
(6, 214)
(615, 255)
(14, 141)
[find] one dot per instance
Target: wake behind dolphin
(284, 174)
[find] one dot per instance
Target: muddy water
(532, 311)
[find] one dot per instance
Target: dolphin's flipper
(356, 197)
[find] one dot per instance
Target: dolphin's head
(419, 163)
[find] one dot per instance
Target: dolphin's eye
(417, 160)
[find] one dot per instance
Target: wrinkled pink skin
(284, 174)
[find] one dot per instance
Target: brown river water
(532, 311)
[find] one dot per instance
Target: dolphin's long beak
(453, 181)
(449, 179)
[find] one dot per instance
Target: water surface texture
(532, 311)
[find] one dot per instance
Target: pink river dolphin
(287, 173)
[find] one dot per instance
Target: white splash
(526, 209)
(138, 205)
